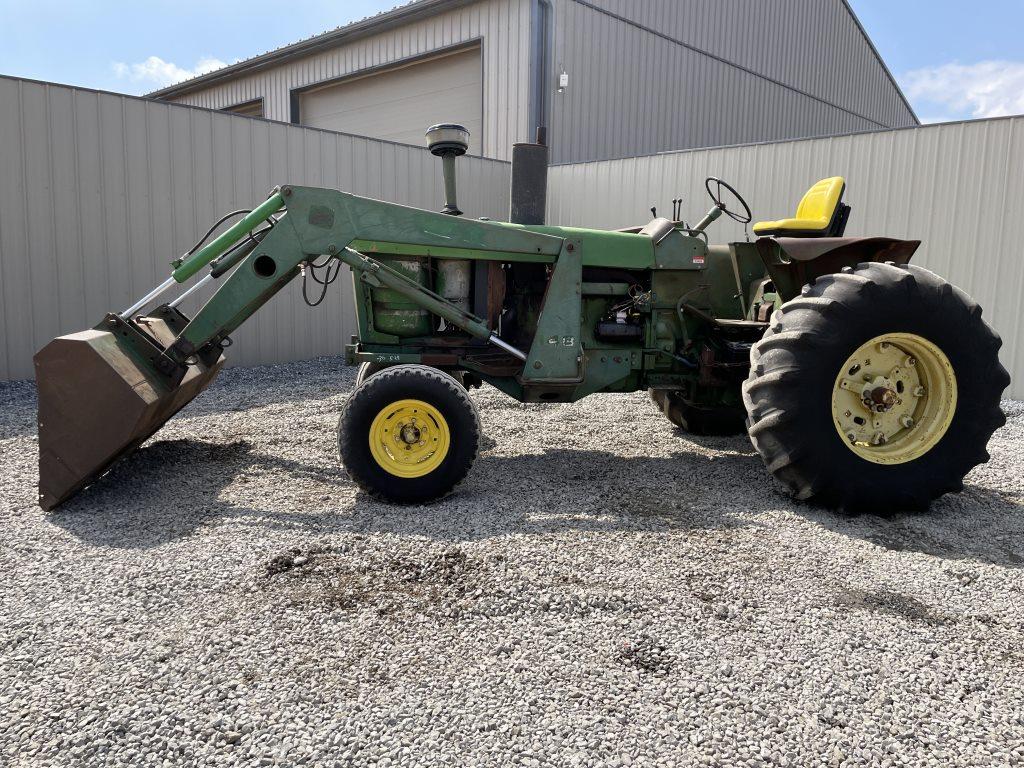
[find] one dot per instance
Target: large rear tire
(408, 434)
(876, 390)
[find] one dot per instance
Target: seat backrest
(821, 200)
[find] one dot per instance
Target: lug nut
(851, 436)
(906, 421)
(919, 391)
(878, 438)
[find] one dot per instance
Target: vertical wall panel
(99, 192)
(956, 187)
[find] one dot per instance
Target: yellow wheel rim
(409, 438)
(894, 398)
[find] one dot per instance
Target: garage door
(400, 104)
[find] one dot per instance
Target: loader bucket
(100, 397)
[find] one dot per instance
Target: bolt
(332, 249)
(919, 391)
(851, 436)
(878, 438)
(538, 364)
(910, 361)
(906, 421)
(570, 247)
(884, 345)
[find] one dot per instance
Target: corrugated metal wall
(958, 187)
(710, 73)
(502, 26)
(98, 192)
(643, 76)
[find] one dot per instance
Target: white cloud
(985, 89)
(158, 73)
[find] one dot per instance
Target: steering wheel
(716, 195)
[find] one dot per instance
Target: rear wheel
(875, 390)
(408, 434)
(697, 420)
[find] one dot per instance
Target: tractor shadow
(169, 490)
(979, 524)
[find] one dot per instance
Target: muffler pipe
(529, 196)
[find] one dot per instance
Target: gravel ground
(603, 590)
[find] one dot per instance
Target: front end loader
(864, 382)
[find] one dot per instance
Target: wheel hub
(409, 438)
(894, 398)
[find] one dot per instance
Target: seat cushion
(793, 225)
(815, 212)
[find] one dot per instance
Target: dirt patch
(293, 558)
(345, 579)
(893, 604)
(647, 654)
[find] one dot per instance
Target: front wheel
(408, 434)
(876, 390)
(366, 370)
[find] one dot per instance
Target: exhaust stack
(529, 181)
(448, 141)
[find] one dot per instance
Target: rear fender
(793, 262)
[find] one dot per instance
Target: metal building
(606, 78)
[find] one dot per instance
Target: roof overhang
(404, 14)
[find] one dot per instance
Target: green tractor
(864, 382)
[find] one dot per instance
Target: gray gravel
(602, 590)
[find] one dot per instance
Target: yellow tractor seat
(821, 213)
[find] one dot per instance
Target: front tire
(408, 434)
(366, 370)
(876, 390)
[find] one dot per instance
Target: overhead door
(400, 104)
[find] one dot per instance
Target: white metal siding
(501, 26)
(98, 192)
(399, 104)
(957, 187)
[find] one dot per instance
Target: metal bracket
(556, 354)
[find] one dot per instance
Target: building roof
(402, 14)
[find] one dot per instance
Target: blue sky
(954, 59)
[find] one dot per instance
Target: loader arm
(323, 222)
(104, 391)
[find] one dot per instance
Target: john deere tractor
(864, 382)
